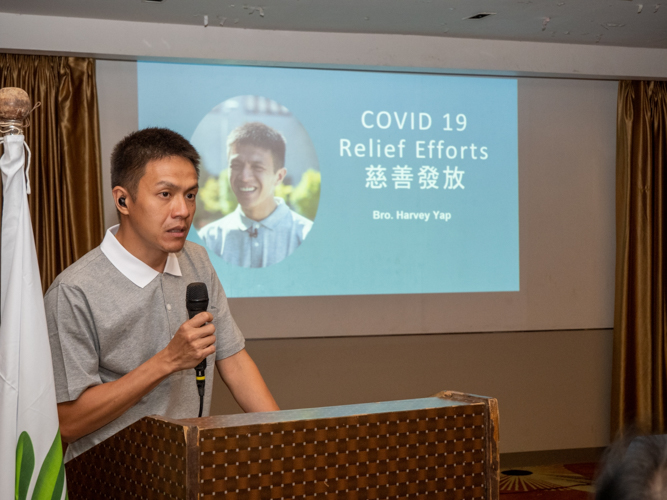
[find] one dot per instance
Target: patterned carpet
(549, 482)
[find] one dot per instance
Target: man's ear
(281, 175)
(121, 198)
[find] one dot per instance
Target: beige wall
(553, 388)
(117, 98)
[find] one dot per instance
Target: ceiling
(629, 23)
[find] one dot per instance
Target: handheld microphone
(196, 301)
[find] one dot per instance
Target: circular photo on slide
(259, 183)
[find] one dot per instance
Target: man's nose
(179, 207)
(246, 172)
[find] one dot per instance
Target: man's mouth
(177, 230)
(247, 189)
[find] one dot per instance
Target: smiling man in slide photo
(262, 230)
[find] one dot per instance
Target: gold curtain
(639, 384)
(65, 172)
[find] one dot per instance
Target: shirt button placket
(167, 306)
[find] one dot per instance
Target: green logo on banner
(51, 478)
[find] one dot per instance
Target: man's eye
(191, 196)
(164, 194)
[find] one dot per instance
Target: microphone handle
(196, 301)
(201, 367)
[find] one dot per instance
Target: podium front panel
(145, 460)
(440, 447)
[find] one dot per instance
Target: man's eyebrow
(171, 185)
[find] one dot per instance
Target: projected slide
(322, 182)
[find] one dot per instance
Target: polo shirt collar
(138, 272)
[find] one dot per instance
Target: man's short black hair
(132, 154)
(262, 136)
(634, 469)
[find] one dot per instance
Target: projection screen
(405, 189)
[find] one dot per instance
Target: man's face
(164, 204)
(253, 178)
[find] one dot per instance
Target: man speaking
(121, 341)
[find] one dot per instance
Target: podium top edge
(222, 421)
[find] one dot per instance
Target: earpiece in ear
(121, 201)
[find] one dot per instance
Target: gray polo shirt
(109, 312)
(244, 242)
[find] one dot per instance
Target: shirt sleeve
(73, 340)
(229, 339)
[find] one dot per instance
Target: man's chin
(175, 245)
(246, 201)
(246, 205)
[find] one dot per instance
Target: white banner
(30, 447)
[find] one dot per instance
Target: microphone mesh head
(196, 292)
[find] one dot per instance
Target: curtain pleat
(639, 373)
(65, 175)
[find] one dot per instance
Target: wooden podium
(444, 446)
